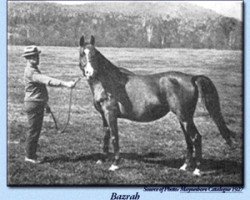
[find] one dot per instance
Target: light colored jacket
(35, 84)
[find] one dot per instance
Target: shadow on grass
(68, 158)
(209, 166)
(225, 166)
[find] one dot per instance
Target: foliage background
(122, 24)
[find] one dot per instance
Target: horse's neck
(111, 74)
(107, 66)
(108, 79)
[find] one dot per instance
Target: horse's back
(161, 83)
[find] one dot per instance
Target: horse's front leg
(112, 121)
(106, 139)
(111, 117)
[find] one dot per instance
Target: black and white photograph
(125, 93)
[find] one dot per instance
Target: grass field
(151, 152)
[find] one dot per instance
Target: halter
(68, 115)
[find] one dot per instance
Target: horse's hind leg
(196, 139)
(193, 139)
(190, 149)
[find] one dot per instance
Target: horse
(120, 93)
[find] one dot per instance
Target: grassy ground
(151, 152)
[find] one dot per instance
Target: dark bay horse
(119, 93)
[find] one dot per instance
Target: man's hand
(72, 84)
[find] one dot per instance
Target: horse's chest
(99, 93)
(103, 100)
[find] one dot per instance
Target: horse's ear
(82, 41)
(92, 40)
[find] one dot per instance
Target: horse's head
(88, 61)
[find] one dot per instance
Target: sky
(227, 8)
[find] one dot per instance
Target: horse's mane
(109, 70)
(126, 71)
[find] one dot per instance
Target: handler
(36, 98)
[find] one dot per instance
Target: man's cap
(31, 50)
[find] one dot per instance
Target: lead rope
(69, 111)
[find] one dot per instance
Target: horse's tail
(210, 98)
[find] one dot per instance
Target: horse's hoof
(99, 162)
(113, 167)
(197, 172)
(183, 167)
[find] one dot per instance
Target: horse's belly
(151, 114)
(144, 113)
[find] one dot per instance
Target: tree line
(54, 25)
